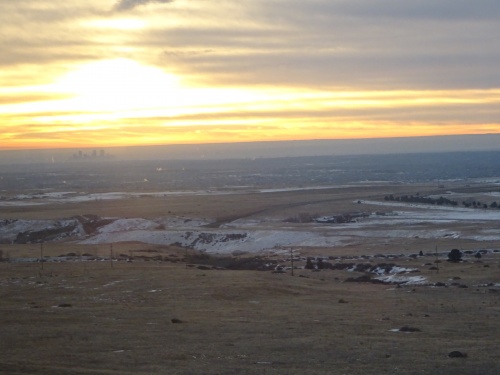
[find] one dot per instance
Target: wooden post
(111, 254)
(291, 258)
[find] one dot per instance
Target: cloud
(389, 9)
(312, 47)
(124, 5)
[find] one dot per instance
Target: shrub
(455, 255)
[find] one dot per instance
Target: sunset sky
(95, 73)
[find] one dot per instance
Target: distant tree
(455, 255)
(309, 264)
(478, 255)
(320, 264)
(494, 205)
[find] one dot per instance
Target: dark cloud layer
(123, 5)
(386, 9)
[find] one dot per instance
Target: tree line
(441, 201)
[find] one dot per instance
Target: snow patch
(406, 280)
(122, 225)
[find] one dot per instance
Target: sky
(104, 73)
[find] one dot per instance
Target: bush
(455, 255)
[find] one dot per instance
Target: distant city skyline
(252, 150)
(108, 73)
(93, 154)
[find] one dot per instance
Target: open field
(119, 320)
(170, 301)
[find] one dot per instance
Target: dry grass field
(119, 320)
(163, 317)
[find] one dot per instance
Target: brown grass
(240, 321)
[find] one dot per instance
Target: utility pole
(437, 260)
(111, 254)
(41, 254)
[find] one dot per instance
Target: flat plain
(129, 296)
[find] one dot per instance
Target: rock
(64, 305)
(175, 321)
(457, 354)
(361, 279)
(409, 329)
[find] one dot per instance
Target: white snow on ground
(248, 234)
(393, 270)
(484, 238)
(277, 190)
(73, 197)
(387, 232)
(406, 280)
(95, 197)
(431, 212)
(125, 225)
(19, 203)
(76, 197)
(122, 225)
(218, 241)
(9, 229)
(182, 222)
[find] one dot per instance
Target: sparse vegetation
(152, 318)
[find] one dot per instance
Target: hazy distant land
(312, 257)
(272, 149)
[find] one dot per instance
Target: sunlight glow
(123, 102)
(120, 84)
(117, 23)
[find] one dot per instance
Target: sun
(118, 85)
